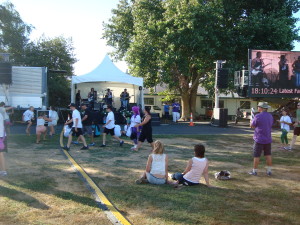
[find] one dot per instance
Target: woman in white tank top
(157, 166)
(196, 167)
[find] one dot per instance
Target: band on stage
(95, 102)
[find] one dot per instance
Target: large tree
(177, 41)
(14, 33)
(57, 55)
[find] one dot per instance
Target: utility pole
(219, 65)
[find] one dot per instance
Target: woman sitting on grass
(40, 127)
(157, 166)
(196, 167)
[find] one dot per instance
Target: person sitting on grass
(196, 167)
(157, 166)
(41, 129)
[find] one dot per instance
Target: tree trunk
(185, 106)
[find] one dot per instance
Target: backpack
(96, 129)
(223, 175)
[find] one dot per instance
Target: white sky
(79, 19)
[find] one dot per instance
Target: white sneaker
(288, 148)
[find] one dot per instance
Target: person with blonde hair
(157, 166)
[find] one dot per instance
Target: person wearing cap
(296, 129)
(109, 127)
(262, 123)
(76, 129)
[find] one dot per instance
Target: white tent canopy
(107, 75)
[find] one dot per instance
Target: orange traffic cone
(191, 121)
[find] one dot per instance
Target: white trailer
(28, 88)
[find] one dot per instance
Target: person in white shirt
(135, 131)
(76, 128)
(157, 166)
(109, 127)
(285, 122)
(28, 116)
(54, 118)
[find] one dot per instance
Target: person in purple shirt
(262, 123)
(175, 111)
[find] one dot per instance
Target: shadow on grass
(22, 197)
(47, 185)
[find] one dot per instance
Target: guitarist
(296, 68)
(257, 65)
(91, 98)
(124, 98)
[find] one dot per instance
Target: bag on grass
(223, 175)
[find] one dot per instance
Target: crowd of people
(139, 129)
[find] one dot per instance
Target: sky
(82, 20)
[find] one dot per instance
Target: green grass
(242, 200)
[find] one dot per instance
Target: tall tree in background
(177, 41)
(56, 54)
(14, 32)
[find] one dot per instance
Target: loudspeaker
(222, 81)
(5, 73)
(220, 117)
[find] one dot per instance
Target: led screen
(274, 73)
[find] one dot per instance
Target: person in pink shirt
(196, 167)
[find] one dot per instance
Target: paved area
(176, 129)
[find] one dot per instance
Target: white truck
(28, 88)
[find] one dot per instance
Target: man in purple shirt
(262, 123)
(175, 111)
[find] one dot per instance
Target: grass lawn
(42, 188)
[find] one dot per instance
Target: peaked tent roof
(107, 72)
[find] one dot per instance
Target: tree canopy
(177, 41)
(53, 53)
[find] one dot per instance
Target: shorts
(109, 131)
(5, 145)
(78, 133)
(259, 148)
(146, 135)
(155, 180)
(87, 130)
(28, 121)
(297, 131)
(181, 180)
(40, 129)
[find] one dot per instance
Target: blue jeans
(154, 180)
(181, 180)
(297, 79)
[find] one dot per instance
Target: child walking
(157, 166)
(285, 122)
(196, 167)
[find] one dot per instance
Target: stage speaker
(220, 117)
(222, 81)
(5, 73)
